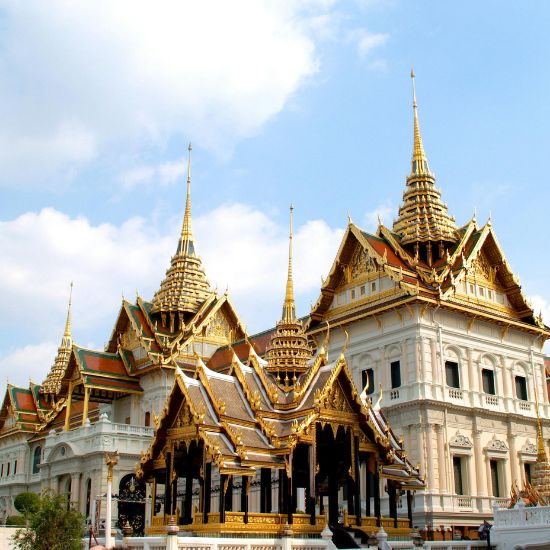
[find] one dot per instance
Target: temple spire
(540, 475)
(419, 160)
(185, 287)
(185, 246)
(67, 334)
(423, 223)
(289, 307)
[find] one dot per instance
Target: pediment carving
(497, 445)
(460, 440)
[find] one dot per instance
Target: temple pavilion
(293, 424)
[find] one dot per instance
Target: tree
(26, 502)
(53, 525)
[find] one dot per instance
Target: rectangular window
(527, 469)
(8, 470)
(395, 374)
(362, 290)
(488, 379)
(2, 471)
(127, 420)
(494, 478)
(482, 292)
(15, 467)
(490, 294)
(353, 294)
(472, 289)
(457, 471)
(368, 374)
(521, 388)
(373, 286)
(451, 374)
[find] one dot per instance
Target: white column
(513, 456)
(472, 485)
(430, 461)
(478, 458)
(441, 459)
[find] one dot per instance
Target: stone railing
(464, 503)
(102, 436)
(522, 516)
(491, 400)
(455, 393)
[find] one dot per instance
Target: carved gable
(361, 263)
(336, 399)
(219, 327)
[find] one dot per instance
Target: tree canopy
(54, 524)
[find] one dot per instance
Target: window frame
(456, 374)
(521, 381)
(395, 374)
(491, 382)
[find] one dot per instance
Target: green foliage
(26, 502)
(53, 525)
(15, 520)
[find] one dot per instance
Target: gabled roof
(246, 422)
(20, 404)
(414, 281)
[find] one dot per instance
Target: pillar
(357, 482)
(86, 403)
(430, 461)
(244, 496)
(376, 478)
(153, 497)
(68, 408)
(224, 481)
(478, 458)
(167, 485)
(207, 490)
(188, 507)
(265, 491)
(409, 508)
(392, 497)
(282, 491)
(229, 494)
(441, 459)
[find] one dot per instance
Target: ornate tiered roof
(185, 287)
(423, 216)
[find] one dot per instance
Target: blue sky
(305, 102)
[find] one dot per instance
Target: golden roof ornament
(540, 474)
(52, 383)
(185, 287)
(288, 352)
(423, 216)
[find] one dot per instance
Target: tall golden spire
(185, 246)
(540, 476)
(423, 216)
(185, 287)
(52, 383)
(288, 352)
(289, 307)
(419, 160)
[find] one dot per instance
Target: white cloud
(366, 41)
(81, 78)
(32, 362)
(384, 211)
(241, 248)
(162, 174)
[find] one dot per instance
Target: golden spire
(540, 477)
(419, 160)
(52, 383)
(289, 307)
(185, 246)
(67, 333)
(185, 287)
(288, 352)
(423, 216)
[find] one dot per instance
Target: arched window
(36, 460)
(147, 418)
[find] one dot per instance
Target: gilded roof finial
(419, 160)
(186, 240)
(67, 333)
(289, 307)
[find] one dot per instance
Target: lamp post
(111, 460)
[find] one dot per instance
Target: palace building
(408, 396)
